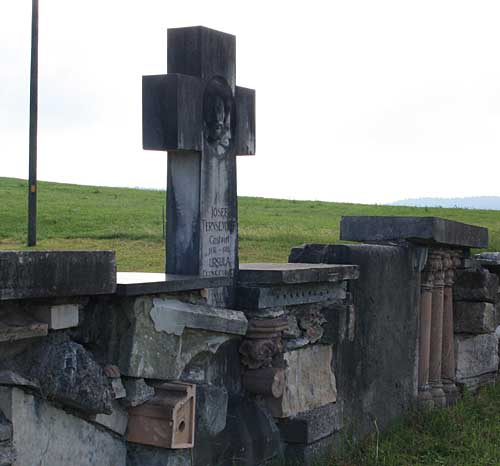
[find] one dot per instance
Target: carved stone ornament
(219, 116)
(259, 353)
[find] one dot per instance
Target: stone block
(118, 388)
(311, 426)
(167, 420)
(489, 260)
(116, 421)
(173, 316)
(250, 438)
(289, 274)
(7, 454)
(11, 378)
(136, 284)
(43, 274)
(69, 374)
(475, 285)
(5, 428)
(475, 355)
(380, 326)
(138, 392)
(309, 381)
(59, 316)
(147, 351)
(143, 455)
(47, 436)
(425, 230)
(297, 454)
(473, 384)
(470, 317)
(262, 297)
(211, 409)
(267, 381)
(19, 326)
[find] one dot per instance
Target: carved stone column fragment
(450, 262)
(436, 346)
(424, 395)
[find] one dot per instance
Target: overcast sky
(357, 101)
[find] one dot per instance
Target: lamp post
(32, 184)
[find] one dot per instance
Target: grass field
(466, 435)
(130, 222)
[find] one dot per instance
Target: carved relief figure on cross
(218, 115)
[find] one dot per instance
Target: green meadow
(130, 221)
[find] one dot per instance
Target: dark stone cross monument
(199, 115)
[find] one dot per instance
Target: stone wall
(375, 335)
(140, 371)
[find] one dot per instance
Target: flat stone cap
(47, 274)
(140, 283)
(423, 230)
(286, 273)
(490, 260)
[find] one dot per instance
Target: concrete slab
(47, 436)
(45, 274)
(286, 273)
(424, 230)
(141, 283)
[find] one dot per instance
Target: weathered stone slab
(320, 452)
(211, 409)
(146, 352)
(47, 436)
(287, 274)
(7, 454)
(15, 326)
(475, 285)
(59, 316)
(5, 428)
(426, 230)
(142, 455)
(116, 421)
(490, 260)
(11, 378)
(309, 381)
(469, 317)
(313, 425)
(250, 437)
(473, 384)
(263, 297)
(173, 316)
(118, 388)
(381, 325)
(475, 355)
(68, 373)
(138, 392)
(136, 284)
(41, 274)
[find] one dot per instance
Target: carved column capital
(427, 277)
(449, 269)
(436, 265)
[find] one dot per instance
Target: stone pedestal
(424, 395)
(448, 355)
(436, 346)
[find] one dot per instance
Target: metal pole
(32, 185)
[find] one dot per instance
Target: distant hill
(479, 202)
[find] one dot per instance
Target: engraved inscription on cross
(198, 114)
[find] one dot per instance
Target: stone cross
(198, 114)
